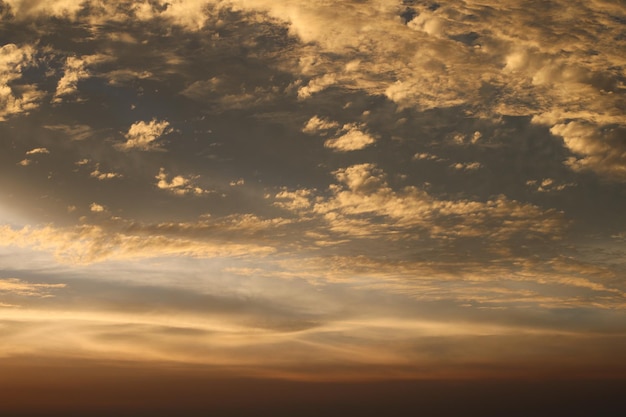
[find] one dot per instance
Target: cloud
(500, 62)
(467, 166)
(425, 156)
(75, 69)
(121, 77)
(316, 125)
(16, 98)
(179, 184)
(353, 140)
(362, 204)
(96, 208)
(600, 150)
(24, 288)
(316, 85)
(38, 151)
(88, 244)
(548, 185)
(229, 93)
(142, 135)
(96, 173)
(297, 200)
(24, 9)
(74, 132)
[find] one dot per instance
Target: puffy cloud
(450, 75)
(38, 151)
(362, 204)
(425, 156)
(467, 166)
(600, 150)
(142, 135)
(75, 69)
(316, 85)
(179, 185)
(353, 140)
(96, 208)
(297, 200)
(316, 125)
(16, 98)
(96, 173)
(548, 185)
(491, 59)
(22, 9)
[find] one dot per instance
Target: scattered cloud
(599, 150)
(467, 166)
(75, 70)
(96, 208)
(16, 98)
(318, 125)
(470, 114)
(548, 185)
(362, 204)
(142, 136)
(353, 139)
(38, 151)
(179, 184)
(96, 173)
(425, 156)
(316, 85)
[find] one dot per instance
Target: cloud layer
(284, 188)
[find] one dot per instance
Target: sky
(312, 192)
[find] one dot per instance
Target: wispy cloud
(90, 243)
(24, 288)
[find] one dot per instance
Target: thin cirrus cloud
(25, 288)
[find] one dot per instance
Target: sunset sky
(311, 192)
